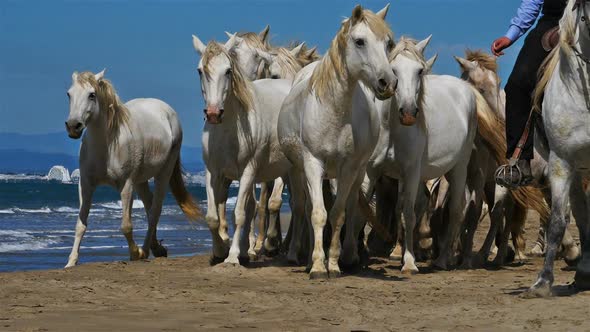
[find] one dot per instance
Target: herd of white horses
(399, 160)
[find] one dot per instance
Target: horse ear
(100, 75)
(233, 41)
(74, 76)
(228, 34)
(430, 63)
(357, 14)
(383, 12)
(421, 46)
(267, 57)
(297, 49)
(466, 65)
(264, 34)
(198, 45)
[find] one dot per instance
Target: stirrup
(505, 173)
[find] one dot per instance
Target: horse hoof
(160, 251)
(318, 275)
(252, 256)
(351, 267)
(537, 250)
(214, 260)
(439, 265)
(466, 265)
(143, 254)
(538, 290)
(243, 260)
(409, 271)
(69, 265)
(478, 261)
(396, 255)
(333, 274)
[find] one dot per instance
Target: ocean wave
(6, 211)
(41, 210)
(87, 247)
(31, 244)
(66, 209)
(21, 177)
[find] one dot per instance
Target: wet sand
(187, 294)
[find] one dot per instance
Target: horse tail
(491, 131)
(184, 199)
(490, 128)
(517, 228)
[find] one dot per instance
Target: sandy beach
(178, 294)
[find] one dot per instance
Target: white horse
(239, 140)
(248, 46)
(566, 118)
(480, 70)
(125, 146)
(428, 130)
(328, 125)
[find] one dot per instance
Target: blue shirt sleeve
(527, 14)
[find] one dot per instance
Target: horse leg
(502, 238)
(409, 190)
(261, 217)
(313, 174)
(298, 215)
(85, 191)
(560, 177)
(337, 217)
(457, 179)
(354, 225)
(216, 197)
(582, 277)
(570, 251)
(240, 214)
(517, 230)
(143, 190)
(247, 242)
(496, 202)
(126, 225)
(272, 243)
(471, 221)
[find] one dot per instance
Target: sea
(38, 218)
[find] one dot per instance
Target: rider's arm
(527, 14)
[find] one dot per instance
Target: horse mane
(407, 46)
(332, 67)
(253, 40)
(109, 102)
(240, 86)
(286, 61)
(484, 60)
(567, 37)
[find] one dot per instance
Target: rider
(523, 78)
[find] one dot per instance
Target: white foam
(21, 177)
(41, 210)
(28, 245)
(66, 209)
(7, 211)
(137, 204)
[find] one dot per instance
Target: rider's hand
(500, 44)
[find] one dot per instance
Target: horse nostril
(205, 111)
(221, 112)
(78, 126)
(401, 109)
(382, 83)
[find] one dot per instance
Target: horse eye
(275, 77)
(200, 71)
(68, 94)
(92, 96)
(228, 72)
(389, 45)
(359, 42)
(421, 71)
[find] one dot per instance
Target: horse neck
(97, 134)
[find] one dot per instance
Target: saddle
(550, 39)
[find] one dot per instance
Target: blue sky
(147, 50)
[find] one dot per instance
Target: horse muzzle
(213, 115)
(384, 90)
(74, 128)
(406, 118)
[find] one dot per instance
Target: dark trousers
(520, 86)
